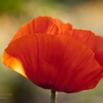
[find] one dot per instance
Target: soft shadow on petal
(98, 49)
(57, 62)
(82, 71)
(91, 40)
(39, 54)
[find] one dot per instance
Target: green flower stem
(53, 96)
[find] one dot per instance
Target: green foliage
(10, 6)
(14, 6)
(70, 2)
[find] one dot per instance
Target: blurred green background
(82, 14)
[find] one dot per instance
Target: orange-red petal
(63, 28)
(57, 62)
(43, 25)
(13, 63)
(40, 24)
(91, 40)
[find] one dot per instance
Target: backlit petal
(57, 62)
(13, 63)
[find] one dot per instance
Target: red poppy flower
(54, 56)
